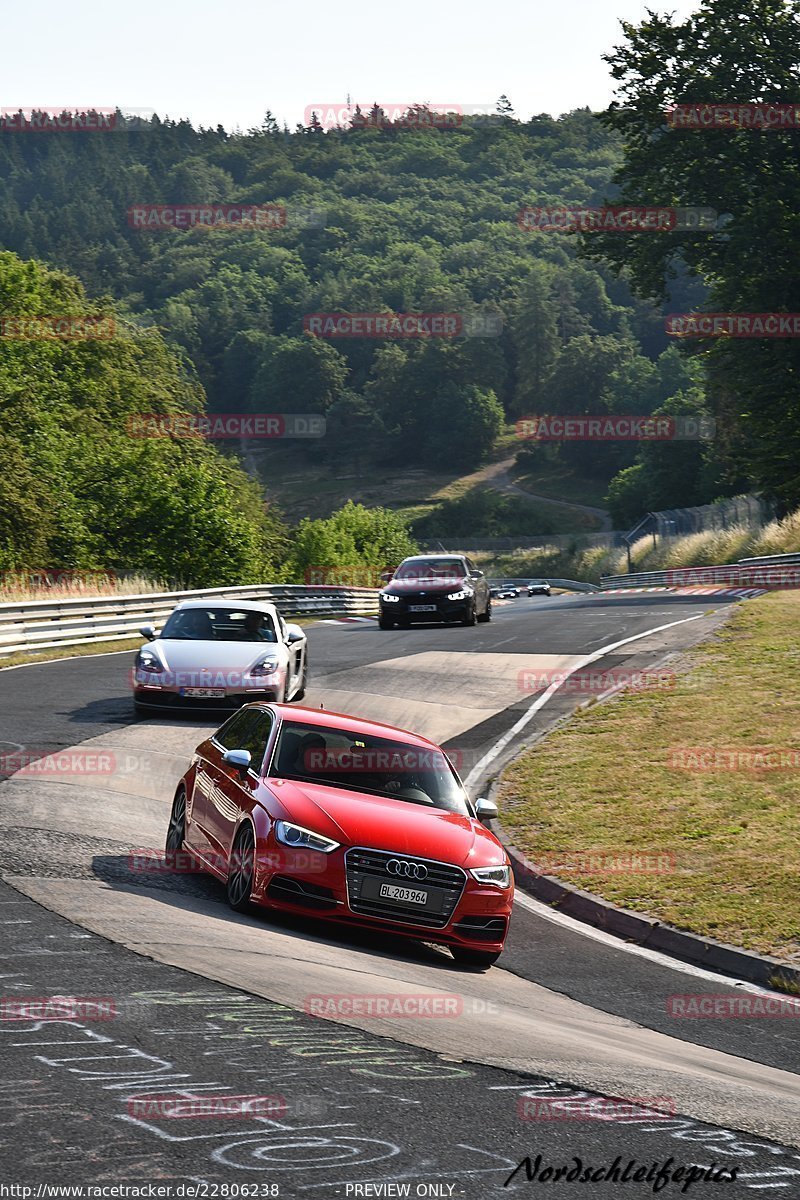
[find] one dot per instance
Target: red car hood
(357, 819)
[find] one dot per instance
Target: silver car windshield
(220, 625)
(360, 763)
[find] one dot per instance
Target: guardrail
(44, 624)
(569, 585)
(747, 572)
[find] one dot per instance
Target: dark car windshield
(361, 763)
(220, 625)
(446, 569)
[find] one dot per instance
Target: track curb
(647, 931)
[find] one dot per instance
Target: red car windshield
(361, 763)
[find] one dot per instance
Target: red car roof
(335, 720)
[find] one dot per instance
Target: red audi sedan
(349, 820)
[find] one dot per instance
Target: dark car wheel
(385, 623)
(472, 617)
(176, 831)
(487, 615)
(241, 870)
(474, 958)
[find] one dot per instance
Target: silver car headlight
(303, 839)
(147, 661)
(499, 876)
(267, 666)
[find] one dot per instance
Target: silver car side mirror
(486, 810)
(239, 759)
(148, 631)
(294, 634)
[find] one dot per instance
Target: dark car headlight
(389, 598)
(463, 594)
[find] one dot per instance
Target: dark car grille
(483, 929)
(295, 891)
(361, 865)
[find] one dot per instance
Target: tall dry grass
(713, 547)
(18, 587)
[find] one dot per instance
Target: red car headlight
(499, 876)
(303, 839)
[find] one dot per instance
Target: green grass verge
(607, 784)
(56, 652)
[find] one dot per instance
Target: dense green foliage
(405, 218)
(727, 51)
(363, 540)
(394, 218)
(77, 490)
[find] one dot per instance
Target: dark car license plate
(405, 895)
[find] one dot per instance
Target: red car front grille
(444, 881)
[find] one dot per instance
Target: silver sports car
(220, 655)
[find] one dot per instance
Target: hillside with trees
(404, 215)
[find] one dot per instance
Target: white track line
(69, 658)
(566, 922)
(655, 956)
(540, 701)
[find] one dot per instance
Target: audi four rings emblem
(409, 870)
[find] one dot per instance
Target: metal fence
(738, 510)
(771, 571)
(563, 541)
(44, 624)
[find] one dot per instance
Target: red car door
(233, 791)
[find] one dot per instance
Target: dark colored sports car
(442, 587)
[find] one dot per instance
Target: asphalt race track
(200, 999)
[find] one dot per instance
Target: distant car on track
(220, 655)
(346, 820)
(538, 587)
(505, 591)
(435, 587)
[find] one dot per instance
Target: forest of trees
(414, 215)
(377, 218)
